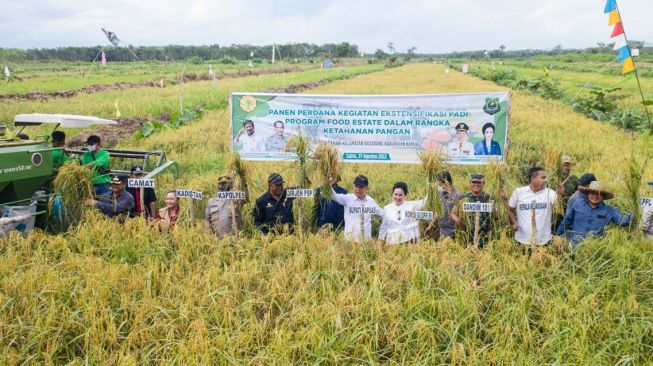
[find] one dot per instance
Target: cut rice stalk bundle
(73, 185)
(326, 161)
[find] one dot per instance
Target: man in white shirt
(460, 147)
(359, 208)
(530, 209)
(251, 142)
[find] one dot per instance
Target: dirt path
(147, 84)
(112, 135)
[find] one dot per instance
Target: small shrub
(195, 60)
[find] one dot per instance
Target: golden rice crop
(73, 185)
(126, 294)
(326, 161)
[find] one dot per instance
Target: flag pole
(639, 85)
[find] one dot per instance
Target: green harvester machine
(26, 168)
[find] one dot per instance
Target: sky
(433, 26)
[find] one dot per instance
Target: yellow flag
(629, 66)
(118, 114)
(614, 17)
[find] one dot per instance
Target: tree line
(178, 52)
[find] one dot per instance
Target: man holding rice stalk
(98, 160)
(530, 209)
(359, 208)
(328, 212)
(590, 216)
(476, 226)
(120, 202)
(448, 196)
(273, 210)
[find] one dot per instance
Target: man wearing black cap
(359, 208)
(119, 203)
(149, 196)
(97, 159)
(460, 147)
(273, 209)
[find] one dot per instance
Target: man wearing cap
(590, 216)
(460, 147)
(530, 209)
(224, 216)
(97, 159)
(569, 182)
(467, 220)
(329, 211)
(273, 209)
(250, 141)
(149, 196)
(583, 181)
(118, 204)
(277, 142)
(647, 218)
(359, 208)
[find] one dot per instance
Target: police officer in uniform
(460, 147)
(223, 215)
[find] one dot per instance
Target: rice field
(110, 294)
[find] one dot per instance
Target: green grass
(573, 81)
(151, 102)
(48, 78)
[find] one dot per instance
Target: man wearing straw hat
(647, 219)
(590, 216)
(224, 216)
(583, 181)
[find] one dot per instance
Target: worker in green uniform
(97, 159)
(59, 156)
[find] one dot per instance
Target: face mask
(90, 147)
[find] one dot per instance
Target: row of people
(530, 208)
(120, 203)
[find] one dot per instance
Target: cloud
(429, 25)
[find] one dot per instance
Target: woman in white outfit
(397, 227)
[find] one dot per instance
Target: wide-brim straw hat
(597, 187)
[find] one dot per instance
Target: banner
(468, 128)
